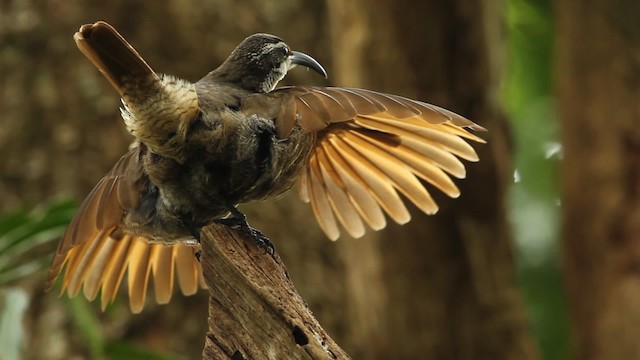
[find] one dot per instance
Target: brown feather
(339, 200)
(162, 267)
(393, 106)
(286, 118)
(76, 267)
(396, 172)
(375, 180)
(84, 225)
(94, 272)
(327, 108)
(138, 274)
(187, 268)
(443, 158)
(317, 107)
(320, 203)
(437, 135)
(354, 174)
(308, 116)
(111, 53)
(463, 133)
(303, 190)
(95, 259)
(114, 269)
(348, 109)
(109, 211)
(422, 166)
(356, 189)
(364, 104)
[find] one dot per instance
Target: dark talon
(239, 220)
(198, 255)
(193, 229)
(263, 241)
(196, 234)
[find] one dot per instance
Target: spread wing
(371, 147)
(95, 253)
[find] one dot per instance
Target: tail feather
(116, 59)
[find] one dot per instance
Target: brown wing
(97, 252)
(372, 147)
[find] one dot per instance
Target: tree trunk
(598, 71)
(255, 311)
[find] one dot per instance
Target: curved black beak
(303, 59)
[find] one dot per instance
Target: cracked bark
(255, 311)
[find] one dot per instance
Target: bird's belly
(216, 177)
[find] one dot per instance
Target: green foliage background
(535, 205)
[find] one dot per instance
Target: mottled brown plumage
(230, 138)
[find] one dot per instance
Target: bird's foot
(238, 220)
(191, 227)
(194, 231)
(262, 240)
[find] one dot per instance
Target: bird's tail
(158, 109)
(116, 59)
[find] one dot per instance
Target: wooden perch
(254, 310)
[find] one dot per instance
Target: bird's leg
(239, 220)
(194, 231)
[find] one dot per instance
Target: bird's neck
(252, 81)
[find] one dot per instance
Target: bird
(232, 137)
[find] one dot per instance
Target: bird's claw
(263, 241)
(240, 222)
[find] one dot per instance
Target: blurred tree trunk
(598, 68)
(441, 287)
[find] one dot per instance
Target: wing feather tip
(403, 219)
(332, 235)
(163, 301)
(476, 127)
(472, 157)
(357, 233)
(136, 308)
(432, 211)
(459, 173)
(189, 292)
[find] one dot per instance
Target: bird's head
(261, 61)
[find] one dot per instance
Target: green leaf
(534, 204)
(25, 236)
(15, 302)
(85, 320)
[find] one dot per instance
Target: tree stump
(255, 311)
